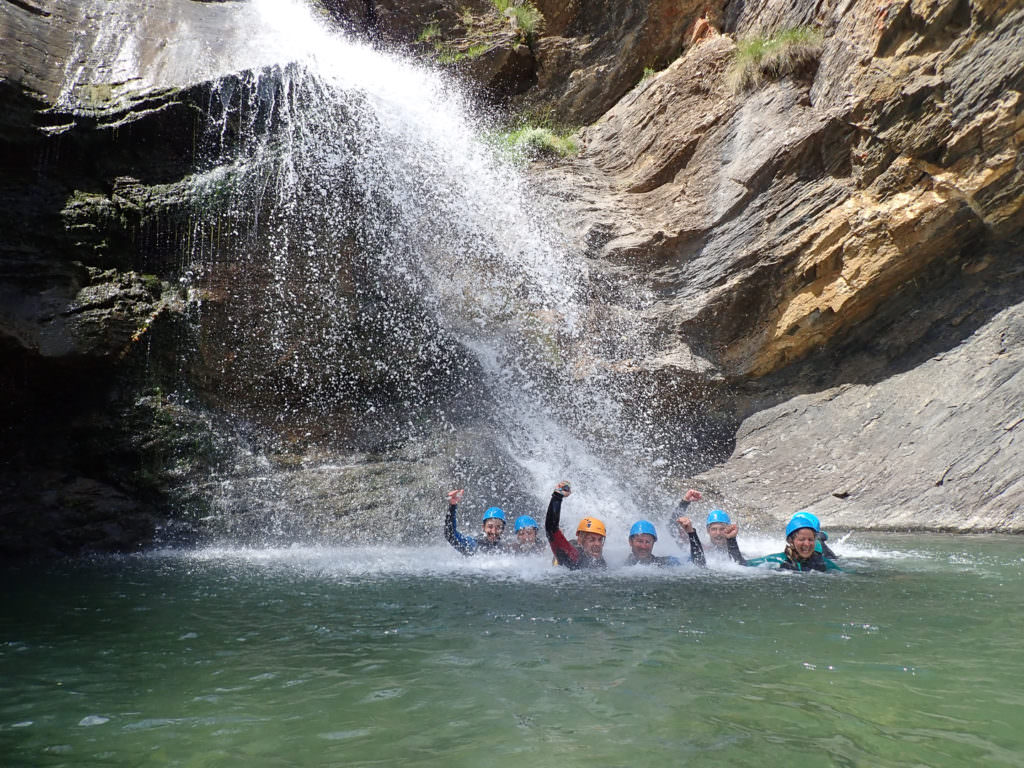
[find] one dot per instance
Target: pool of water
(389, 656)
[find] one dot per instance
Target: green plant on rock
(449, 54)
(429, 32)
(523, 14)
(760, 58)
(530, 141)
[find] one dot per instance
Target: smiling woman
(803, 550)
(359, 657)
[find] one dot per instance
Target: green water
(300, 657)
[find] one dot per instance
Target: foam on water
(386, 562)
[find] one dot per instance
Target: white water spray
(367, 242)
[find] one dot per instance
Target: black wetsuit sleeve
(733, 548)
(696, 550)
(827, 551)
(673, 527)
(462, 543)
(565, 553)
(553, 518)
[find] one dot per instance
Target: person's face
(493, 528)
(641, 544)
(592, 543)
(803, 542)
(716, 532)
(527, 535)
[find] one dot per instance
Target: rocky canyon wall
(841, 247)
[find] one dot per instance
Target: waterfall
(371, 271)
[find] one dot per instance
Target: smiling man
(587, 551)
(489, 541)
(642, 536)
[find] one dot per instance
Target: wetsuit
(466, 545)
(569, 554)
(696, 548)
(659, 561)
(788, 561)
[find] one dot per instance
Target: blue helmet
(643, 526)
(525, 521)
(800, 521)
(497, 512)
(816, 523)
(718, 516)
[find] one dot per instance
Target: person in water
(586, 551)
(488, 542)
(527, 542)
(722, 534)
(820, 545)
(800, 554)
(642, 536)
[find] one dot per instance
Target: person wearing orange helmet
(586, 551)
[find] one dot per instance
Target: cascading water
(373, 274)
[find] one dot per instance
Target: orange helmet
(591, 525)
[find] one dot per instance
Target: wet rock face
(793, 229)
(808, 210)
(98, 224)
(585, 56)
(594, 51)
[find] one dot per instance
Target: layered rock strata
(798, 223)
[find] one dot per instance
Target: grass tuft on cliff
(760, 58)
(523, 15)
(533, 141)
(430, 32)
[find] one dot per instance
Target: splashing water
(348, 151)
(373, 273)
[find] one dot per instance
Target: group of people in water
(806, 544)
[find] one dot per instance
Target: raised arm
(463, 544)
(685, 527)
(565, 553)
(678, 533)
(733, 548)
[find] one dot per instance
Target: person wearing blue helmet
(527, 543)
(488, 542)
(822, 537)
(800, 554)
(722, 532)
(642, 536)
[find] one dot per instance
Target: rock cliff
(835, 244)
